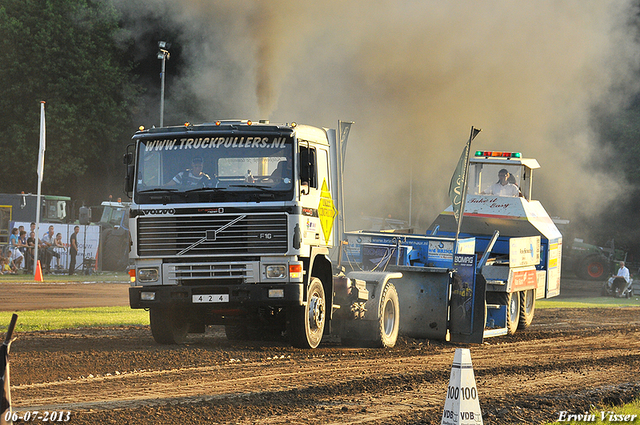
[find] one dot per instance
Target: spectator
(22, 245)
(31, 246)
(48, 242)
(6, 266)
(73, 250)
(623, 272)
(58, 247)
(22, 240)
(14, 248)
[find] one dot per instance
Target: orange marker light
(295, 271)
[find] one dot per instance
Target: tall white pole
(40, 176)
(164, 57)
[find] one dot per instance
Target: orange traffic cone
(38, 277)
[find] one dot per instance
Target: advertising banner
(88, 242)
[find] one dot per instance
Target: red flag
(5, 388)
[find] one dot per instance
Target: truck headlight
(148, 275)
(278, 271)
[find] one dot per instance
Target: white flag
(42, 143)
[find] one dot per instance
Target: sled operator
(502, 187)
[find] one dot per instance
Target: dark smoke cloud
(415, 76)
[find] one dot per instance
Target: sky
(414, 76)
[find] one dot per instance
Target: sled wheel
(513, 312)
(388, 318)
(527, 307)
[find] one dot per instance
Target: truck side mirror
(128, 180)
(128, 160)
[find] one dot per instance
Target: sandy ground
(39, 296)
(568, 360)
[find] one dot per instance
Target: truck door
(315, 194)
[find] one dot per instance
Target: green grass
(103, 277)
(41, 320)
(596, 302)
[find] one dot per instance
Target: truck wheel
(527, 308)
(168, 325)
(236, 332)
(388, 318)
(513, 312)
(306, 324)
(592, 268)
(115, 249)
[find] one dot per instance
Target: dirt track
(567, 360)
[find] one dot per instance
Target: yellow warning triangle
(326, 211)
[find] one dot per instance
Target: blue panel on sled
(496, 321)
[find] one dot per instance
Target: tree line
(64, 53)
(78, 57)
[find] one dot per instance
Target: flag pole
(461, 178)
(40, 176)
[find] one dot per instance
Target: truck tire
(388, 318)
(168, 325)
(513, 312)
(593, 268)
(236, 332)
(527, 308)
(115, 247)
(306, 323)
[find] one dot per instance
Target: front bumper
(241, 296)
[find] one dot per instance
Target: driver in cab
(192, 177)
(502, 187)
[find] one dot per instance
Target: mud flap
(467, 302)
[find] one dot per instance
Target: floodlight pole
(163, 55)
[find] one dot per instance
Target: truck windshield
(494, 179)
(215, 167)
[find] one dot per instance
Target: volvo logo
(159, 211)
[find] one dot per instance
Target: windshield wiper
(205, 189)
(257, 186)
(158, 189)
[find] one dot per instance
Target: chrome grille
(210, 273)
(223, 235)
